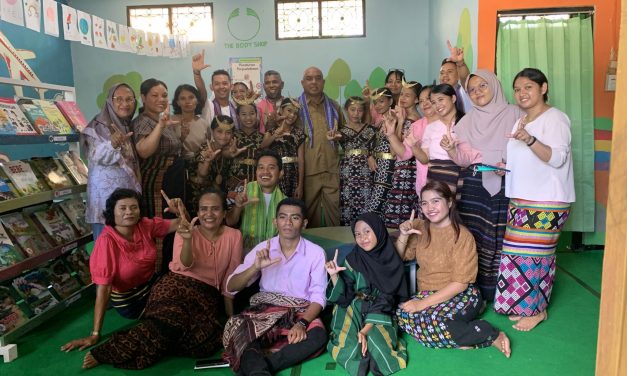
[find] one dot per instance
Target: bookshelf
(7, 349)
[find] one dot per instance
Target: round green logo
(244, 26)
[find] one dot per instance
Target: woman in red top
(122, 263)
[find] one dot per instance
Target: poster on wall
(124, 38)
(51, 15)
(246, 69)
(112, 35)
(32, 14)
(70, 23)
(84, 27)
(12, 11)
(99, 36)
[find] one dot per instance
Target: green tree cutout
(464, 39)
(132, 79)
(339, 75)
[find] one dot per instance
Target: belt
(248, 161)
(384, 156)
(289, 159)
(354, 152)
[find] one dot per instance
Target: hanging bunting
(51, 18)
(84, 28)
(70, 23)
(98, 26)
(12, 11)
(32, 14)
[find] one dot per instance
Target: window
(193, 20)
(320, 19)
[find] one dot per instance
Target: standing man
(267, 107)
(453, 71)
(320, 114)
(292, 293)
(220, 101)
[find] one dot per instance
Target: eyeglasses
(122, 100)
(482, 86)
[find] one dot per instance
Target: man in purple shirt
(285, 313)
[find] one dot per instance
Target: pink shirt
(213, 261)
(302, 275)
(264, 107)
(431, 138)
(122, 264)
(417, 129)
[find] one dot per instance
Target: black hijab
(381, 266)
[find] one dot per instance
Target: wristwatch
(303, 322)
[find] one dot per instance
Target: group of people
(452, 166)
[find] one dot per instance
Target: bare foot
(89, 361)
(515, 318)
(502, 343)
(525, 324)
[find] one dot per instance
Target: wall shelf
(41, 197)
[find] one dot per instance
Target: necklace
(219, 168)
(527, 119)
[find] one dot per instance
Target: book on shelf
(60, 278)
(25, 233)
(23, 177)
(75, 209)
(37, 117)
(13, 312)
(78, 261)
(18, 123)
(53, 171)
(75, 165)
(73, 115)
(32, 287)
(9, 252)
(54, 115)
(7, 189)
(56, 225)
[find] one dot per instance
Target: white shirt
(531, 178)
(208, 111)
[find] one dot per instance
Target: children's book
(53, 171)
(23, 178)
(75, 209)
(9, 252)
(37, 117)
(78, 261)
(32, 287)
(12, 314)
(54, 115)
(60, 278)
(73, 115)
(74, 164)
(56, 225)
(7, 189)
(25, 233)
(18, 123)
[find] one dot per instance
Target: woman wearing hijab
(482, 136)
(366, 289)
(110, 153)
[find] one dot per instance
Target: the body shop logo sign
(244, 26)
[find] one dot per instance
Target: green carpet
(563, 345)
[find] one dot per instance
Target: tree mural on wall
(464, 39)
(132, 79)
(339, 75)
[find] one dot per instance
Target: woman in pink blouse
(181, 315)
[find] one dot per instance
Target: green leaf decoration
(339, 73)
(331, 90)
(132, 79)
(464, 38)
(377, 78)
(352, 89)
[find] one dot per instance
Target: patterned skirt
(289, 181)
(402, 196)
(382, 183)
(450, 324)
(180, 319)
(486, 218)
(527, 266)
(355, 187)
(445, 171)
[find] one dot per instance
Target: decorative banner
(84, 28)
(170, 46)
(98, 26)
(32, 14)
(246, 69)
(133, 36)
(124, 37)
(51, 18)
(12, 11)
(154, 44)
(70, 23)
(112, 35)
(142, 42)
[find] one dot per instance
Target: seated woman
(124, 258)
(366, 292)
(443, 313)
(181, 316)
